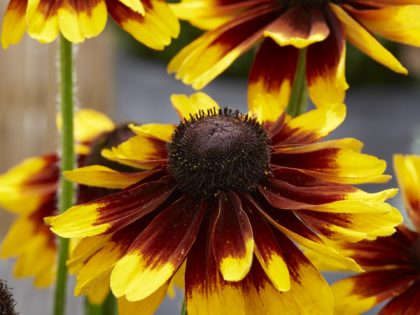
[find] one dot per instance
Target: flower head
(392, 263)
(280, 28)
(150, 22)
(227, 196)
(30, 191)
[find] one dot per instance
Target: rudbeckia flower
(392, 263)
(151, 22)
(30, 191)
(228, 196)
(280, 29)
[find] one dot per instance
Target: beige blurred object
(410, 56)
(29, 94)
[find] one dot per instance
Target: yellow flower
(391, 263)
(229, 196)
(30, 191)
(151, 21)
(280, 28)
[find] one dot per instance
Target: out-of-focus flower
(30, 191)
(7, 302)
(281, 28)
(150, 21)
(392, 263)
(230, 195)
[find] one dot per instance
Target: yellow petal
(102, 176)
(147, 306)
(407, 169)
(158, 131)
(187, 106)
(398, 23)
(78, 221)
(363, 40)
(41, 25)
(88, 124)
(131, 272)
(139, 152)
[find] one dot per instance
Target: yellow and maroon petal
(102, 176)
(98, 260)
(208, 56)
(299, 27)
(406, 303)
(80, 20)
(353, 227)
(113, 212)
(339, 165)
(293, 227)
(269, 254)
(42, 20)
(398, 23)
(325, 67)
(187, 106)
(232, 238)
(28, 185)
(139, 152)
(155, 28)
(407, 169)
(270, 80)
(153, 257)
(384, 252)
(206, 293)
(359, 293)
(14, 23)
(310, 126)
(364, 41)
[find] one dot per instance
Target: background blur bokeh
(129, 82)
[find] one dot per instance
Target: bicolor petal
(113, 212)
(153, 258)
(299, 27)
(359, 293)
(155, 27)
(325, 63)
(270, 83)
(232, 239)
(14, 25)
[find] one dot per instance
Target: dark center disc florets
(108, 140)
(308, 3)
(220, 150)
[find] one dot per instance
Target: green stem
(183, 308)
(299, 98)
(109, 307)
(67, 163)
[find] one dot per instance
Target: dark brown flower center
(415, 252)
(106, 141)
(307, 3)
(7, 302)
(219, 151)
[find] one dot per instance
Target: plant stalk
(299, 97)
(66, 189)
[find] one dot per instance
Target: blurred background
(129, 82)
